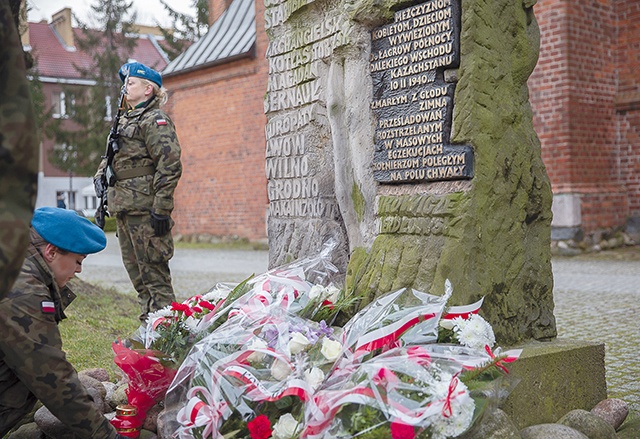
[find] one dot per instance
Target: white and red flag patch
(48, 307)
(161, 122)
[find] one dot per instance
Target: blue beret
(69, 231)
(140, 71)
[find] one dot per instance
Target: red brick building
(585, 93)
(57, 60)
(216, 101)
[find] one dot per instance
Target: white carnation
(475, 332)
(333, 294)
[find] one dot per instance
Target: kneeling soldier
(32, 364)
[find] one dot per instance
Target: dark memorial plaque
(411, 100)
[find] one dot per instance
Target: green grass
(95, 319)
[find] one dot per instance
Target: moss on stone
(358, 201)
(491, 239)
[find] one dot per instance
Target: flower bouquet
(420, 369)
(307, 287)
(250, 377)
(405, 366)
(407, 392)
(149, 374)
(150, 358)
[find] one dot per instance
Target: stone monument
(406, 133)
(404, 130)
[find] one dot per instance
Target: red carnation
(260, 427)
(402, 431)
(208, 305)
(181, 307)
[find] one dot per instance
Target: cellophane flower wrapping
(149, 374)
(251, 376)
(405, 366)
(150, 358)
(422, 391)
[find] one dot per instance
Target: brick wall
(220, 122)
(585, 94)
(628, 100)
(584, 68)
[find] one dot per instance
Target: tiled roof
(232, 36)
(54, 60)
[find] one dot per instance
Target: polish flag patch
(48, 307)
(161, 122)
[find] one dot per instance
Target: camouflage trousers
(16, 401)
(146, 259)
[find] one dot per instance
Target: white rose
(280, 370)
(333, 294)
(316, 291)
(298, 343)
(285, 428)
(331, 349)
(314, 377)
(256, 343)
(447, 324)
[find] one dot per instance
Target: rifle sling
(135, 172)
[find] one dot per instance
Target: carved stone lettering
(296, 185)
(412, 102)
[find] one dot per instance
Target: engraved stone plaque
(411, 100)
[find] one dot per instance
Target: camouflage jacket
(31, 356)
(148, 144)
(19, 153)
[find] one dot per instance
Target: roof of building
(232, 36)
(55, 60)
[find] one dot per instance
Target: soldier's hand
(99, 217)
(161, 224)
(99, 186)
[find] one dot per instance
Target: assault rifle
(108, 176)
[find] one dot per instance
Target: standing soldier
(33, 365)
(147, 168)
(18, 149)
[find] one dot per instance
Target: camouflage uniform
(32, 363)
(19, 154)
(147, 169)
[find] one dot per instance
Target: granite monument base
(556, 377)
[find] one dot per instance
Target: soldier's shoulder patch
(48, 307)
(161, 121)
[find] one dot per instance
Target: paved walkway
(596, 298)
(599, 300)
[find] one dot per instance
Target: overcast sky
(148, 10)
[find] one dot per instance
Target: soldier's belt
(135, 172)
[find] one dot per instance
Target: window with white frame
(62, 104)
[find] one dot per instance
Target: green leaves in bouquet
(317, 310)
(236, 426)
(364, 422)
(174, 340)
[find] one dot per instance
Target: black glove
(100, 215)
(161, 224)
(100, 187)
